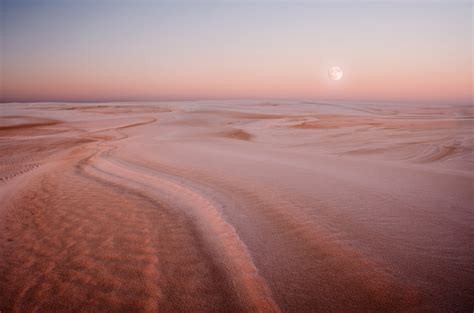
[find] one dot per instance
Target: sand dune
(236, 206)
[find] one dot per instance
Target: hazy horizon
(95, 51)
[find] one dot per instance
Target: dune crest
(235, 207)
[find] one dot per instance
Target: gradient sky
(93, 50)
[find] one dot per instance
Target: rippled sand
(236, 206)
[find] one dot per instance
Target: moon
(335, 73)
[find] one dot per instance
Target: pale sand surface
(236, 206)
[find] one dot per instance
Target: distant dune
(236, 206)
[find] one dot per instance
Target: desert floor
(236, 206)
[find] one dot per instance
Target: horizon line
(86, 101)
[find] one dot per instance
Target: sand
(236, 206)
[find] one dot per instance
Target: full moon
(335, 73)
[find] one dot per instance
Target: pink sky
(58, 50)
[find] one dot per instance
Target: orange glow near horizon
(110, 52)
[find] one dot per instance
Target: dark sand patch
(24, 125)
(237, 134)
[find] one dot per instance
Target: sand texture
(236, 206)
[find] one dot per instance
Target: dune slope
(236, 206)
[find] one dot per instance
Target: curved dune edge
(366, 282)
(222, 237)
(57, 229)
(56, 209)
(122, 213)
(252, 290)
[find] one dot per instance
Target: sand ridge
(235, 207)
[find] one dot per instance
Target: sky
(124, 50)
